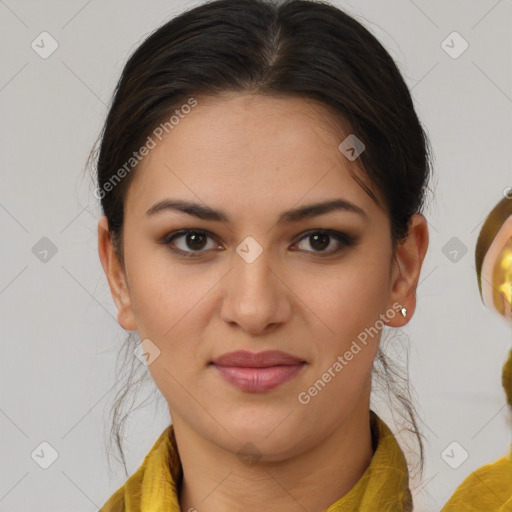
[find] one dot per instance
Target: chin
(267, 437)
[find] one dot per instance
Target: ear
(116, 277)
(406, 269)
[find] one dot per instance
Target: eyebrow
(294, 215)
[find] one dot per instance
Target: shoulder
(129, 495)
(115, 503)
(487, 489)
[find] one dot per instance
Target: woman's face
(260, 280)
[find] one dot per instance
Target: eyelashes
(195, 234)
(198, 236)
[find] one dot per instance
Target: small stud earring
(404, 312)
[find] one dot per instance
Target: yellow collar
(155, 485)
(488, 489)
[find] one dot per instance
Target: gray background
(59, 331)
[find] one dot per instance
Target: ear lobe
(407, 268)
(116, 277)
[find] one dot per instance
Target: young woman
(262, 173)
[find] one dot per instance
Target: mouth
(258, 372)
(246, 359)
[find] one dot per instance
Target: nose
(256, 298)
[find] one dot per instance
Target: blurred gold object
(506, 378)
(493, 257)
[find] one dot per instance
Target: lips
(258, 372)
(245, 359)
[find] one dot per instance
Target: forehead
(249, 151)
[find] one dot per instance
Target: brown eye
(319, 240)
(188, 242)
(195, 241)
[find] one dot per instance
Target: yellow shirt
(383, 487)
(488, 489)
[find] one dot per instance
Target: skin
(254, 157)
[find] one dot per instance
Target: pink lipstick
(258, 372)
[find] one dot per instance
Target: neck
(216, 480)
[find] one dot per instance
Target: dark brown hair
(303, 48)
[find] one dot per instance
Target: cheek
(163, 295)
(168, 304)
(172, 304)
(348, 298)
(349, 301)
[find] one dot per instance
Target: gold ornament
(493, 258)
